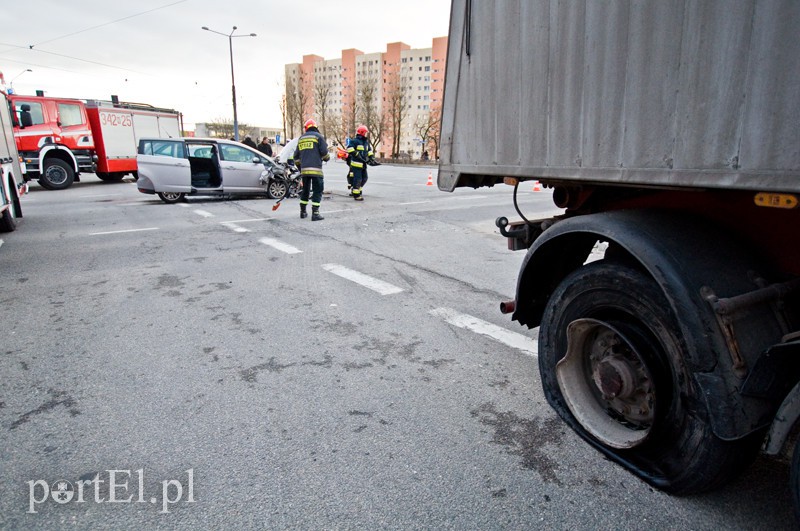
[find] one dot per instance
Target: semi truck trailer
(666, 291)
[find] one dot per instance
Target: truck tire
(613, 367)
(113, 177)
(794, 480)
(171, 197)
(8, 221)
(57, 175)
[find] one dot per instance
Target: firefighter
(361, 154)
(310, 153)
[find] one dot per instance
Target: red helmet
(362, 130)
(309, 123)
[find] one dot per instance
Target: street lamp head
(253, 35)
(206, 28)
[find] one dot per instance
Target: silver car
(176, 167)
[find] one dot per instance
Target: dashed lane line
(204, 213)
(234, 227)
(520, 342)
(279, 245)
(379, 286)
(248, 220)
(121, 231)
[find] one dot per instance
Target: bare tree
(223, 128)
(297, 100)
(427, 127)
(322, 93)
(335, 128)
(435, 135)
(397, 100)
(368, 112)
(283, 107)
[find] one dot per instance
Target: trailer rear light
(771, 200)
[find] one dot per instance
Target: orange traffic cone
(537, 187)
(430, 179)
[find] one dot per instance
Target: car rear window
(162, 148)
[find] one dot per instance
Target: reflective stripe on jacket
(310, 152)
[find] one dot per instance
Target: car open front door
(239, 172)
(164, 162)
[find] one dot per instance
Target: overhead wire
(31, 46)
(34, 46)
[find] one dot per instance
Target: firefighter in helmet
(360, 152)
(310, 153)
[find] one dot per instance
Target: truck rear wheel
(57, 175)
(613, 366)
(113, 177)
(8, 222)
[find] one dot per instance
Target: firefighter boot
(315, 215)
(303, 213)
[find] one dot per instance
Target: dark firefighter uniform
(360, 152)
(311, 152)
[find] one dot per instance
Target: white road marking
(121, 231)
(183, 205)
(246, 220)
(384, 288)
(416, 202)
(234, 227)
(204, 213)
(514, 340)
(1, 243)
(281, 246)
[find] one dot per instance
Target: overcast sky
(154, 51)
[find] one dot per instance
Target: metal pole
(233, 79)
(233, 90)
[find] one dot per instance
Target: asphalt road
(242, 368)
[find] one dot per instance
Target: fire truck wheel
(57, 175)
(7, 221)
(114, 177)
(613, 366)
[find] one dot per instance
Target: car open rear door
(165, 164)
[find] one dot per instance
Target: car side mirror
(256, 160)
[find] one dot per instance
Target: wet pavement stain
(527, 438)
(169, 281)
(58, 398)
(250, 375)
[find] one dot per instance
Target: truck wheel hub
(606, 383)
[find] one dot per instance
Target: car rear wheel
(171, 197)
(613, 366)
(57, 175)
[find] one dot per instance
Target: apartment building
(396, 93)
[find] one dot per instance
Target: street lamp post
(11, 83)
(233, 81)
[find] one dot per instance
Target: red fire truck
(59, 138)
(12, 185)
